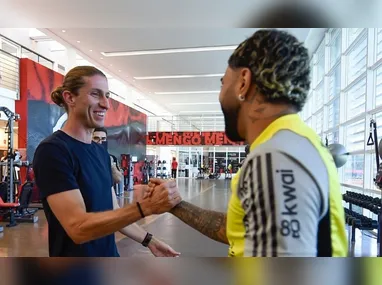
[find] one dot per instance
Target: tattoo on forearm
(209, 223)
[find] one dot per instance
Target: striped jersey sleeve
(282, 205)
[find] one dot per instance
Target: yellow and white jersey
(286, 198)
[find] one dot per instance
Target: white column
(71, 56)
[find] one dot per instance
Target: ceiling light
(167, 51)
(63, 31)
(111, 65)
(91, 50)
(196, 117)
(119, 70)
(179, 76)
(203, 103)
(78, 41)
(187, 92)
(200, 111)
(101, 57)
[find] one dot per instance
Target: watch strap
(147, 240)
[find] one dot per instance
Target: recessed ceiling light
(101, 57)
(166, 51)
(202, 103)
(91, 50)
(63, 31)
(179, 76)
(200, 112)
(119, 70)
(187, 92)
(78, 41)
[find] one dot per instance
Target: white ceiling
(150, 25)
(171, 64)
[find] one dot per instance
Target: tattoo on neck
(259, 110)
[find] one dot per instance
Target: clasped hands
(162, 195)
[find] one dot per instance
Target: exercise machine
(373, 141)
(14, 210)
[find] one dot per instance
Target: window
(378, 87)
(319, 100)
(378, 44)
(307, 108)
(312, 71)
(354, 170)
(320, 63)
(335, 47)
(319, 122)
(357, 61)
(355, 136)
(309, 122)
(335, 83)
(356, 99)
(353, 34)
(334, 113)
(333, 137)
(378, 119)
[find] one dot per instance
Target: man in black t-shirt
(75, 180)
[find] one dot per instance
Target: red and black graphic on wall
(189, 138)
(126, 126)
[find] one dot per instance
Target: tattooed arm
(210, 223)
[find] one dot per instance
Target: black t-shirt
(62, 163)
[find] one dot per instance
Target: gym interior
(165, 108)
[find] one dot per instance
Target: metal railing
(27, 53)
(10, 72)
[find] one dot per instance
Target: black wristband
(147, 239)
(140, 210)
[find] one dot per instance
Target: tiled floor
(29, 240)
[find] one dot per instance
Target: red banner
(189, 138)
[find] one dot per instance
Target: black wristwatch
(147, 240)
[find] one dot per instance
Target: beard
(231, 120)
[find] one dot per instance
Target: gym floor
(30, 240)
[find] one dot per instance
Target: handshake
(158, 197)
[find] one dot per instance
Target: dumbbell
(374, 224)
(375, 209)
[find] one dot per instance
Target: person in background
(3, 173)
(4, 157)
(174, 167)
(100, 137)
